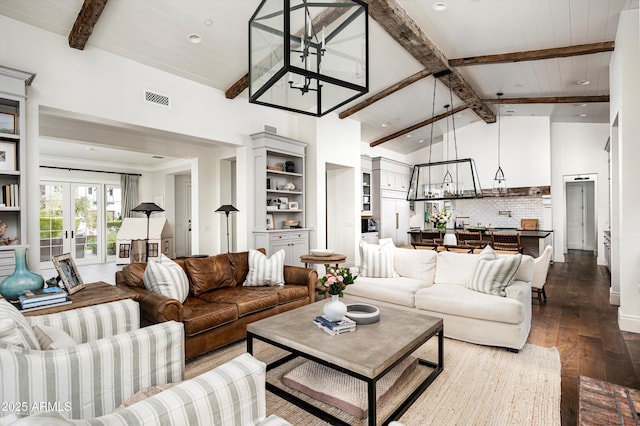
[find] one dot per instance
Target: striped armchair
(232, 394)
(113, 360)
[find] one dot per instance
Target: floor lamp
(147, 208)
(226, 209)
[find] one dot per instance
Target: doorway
(341, 206)
(72, 221)
(581, 222)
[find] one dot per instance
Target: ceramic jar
(21, 279)
(334, 310)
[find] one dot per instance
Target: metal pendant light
(499, 181)
(308, 56)
(422, 188)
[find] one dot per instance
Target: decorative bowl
(322, 252)
(363, 313)
(291, 222)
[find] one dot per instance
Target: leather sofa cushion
(134, 272)
(289, 293)
(200, 315)
(209, 273)
(240, 264)
(248, 300)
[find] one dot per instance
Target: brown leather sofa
(218, 307)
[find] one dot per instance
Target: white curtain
(129, 187)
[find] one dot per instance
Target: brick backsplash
(485, 211)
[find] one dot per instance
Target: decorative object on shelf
(293, 205)
(309, 57)
(321, 252)
(68, 272)
(147, 208)
(450, 239)
(425, 184)
(8, 157)
(499, 181)
(291, 223)
(275, 168)
(270, 224)
(5, 240)
(226, 209)
(363, 313)
(21, 279)
(290, 166)
(8, 122)
(289, 186)
(283, 203)
(440, 219)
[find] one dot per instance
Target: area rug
(479, 386)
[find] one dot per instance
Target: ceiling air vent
(157, 98)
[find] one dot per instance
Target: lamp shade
(147, 208)
(308, 56)
(226, 208)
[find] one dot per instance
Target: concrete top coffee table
(368, 353)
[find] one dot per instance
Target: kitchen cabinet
(369, 237)
(394, 220)
(367, 198)
(294, 242)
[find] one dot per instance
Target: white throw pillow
(21, 324)
(491, 275)
(53, 338)
(167, 278)
(265, 270)
(10, 334)
(376, 260)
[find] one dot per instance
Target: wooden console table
(93, 294)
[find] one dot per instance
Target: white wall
(578, 148)
(625, 107)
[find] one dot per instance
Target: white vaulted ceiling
(154, 32)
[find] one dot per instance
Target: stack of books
(43, 298)
(335, 327)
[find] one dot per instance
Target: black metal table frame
(371, 382)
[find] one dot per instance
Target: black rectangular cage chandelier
(309, 57)
(427, 183)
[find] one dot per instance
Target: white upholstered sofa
(436, 284)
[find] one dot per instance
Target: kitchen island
(533, 241)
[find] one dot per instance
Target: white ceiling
(154, 32)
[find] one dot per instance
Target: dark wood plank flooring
(579, 320)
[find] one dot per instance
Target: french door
(71, 221)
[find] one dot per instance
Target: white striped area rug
(479, 386)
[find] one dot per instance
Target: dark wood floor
(580, 322)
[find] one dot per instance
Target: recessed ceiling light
(421, 141)
(583, 82)
(439, 6)
(194, 38)
(408, 136)
(208, 22)
(385, 124)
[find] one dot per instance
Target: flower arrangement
(440, 219)
(336, 280)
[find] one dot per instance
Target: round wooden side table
(334, 259)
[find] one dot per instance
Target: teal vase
(22, 278)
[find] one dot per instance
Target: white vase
(334, 309)
(450, 240)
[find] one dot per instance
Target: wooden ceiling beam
(85, 22)
(385, 92)
(419, 125)
(550, 100)
(535, 55)
(399, 25)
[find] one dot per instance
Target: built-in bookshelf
(13, 92)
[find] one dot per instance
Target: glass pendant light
(499, 181)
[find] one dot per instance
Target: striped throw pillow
(167, 278)
(265, 270)
(10, 334)
(491, 275)
(53, 338)
(20, 323)
(376, 260)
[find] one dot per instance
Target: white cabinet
(394, 220)
(370, 237)
(294, 242)
(279, 165)
(367, 180)
(13, 92)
